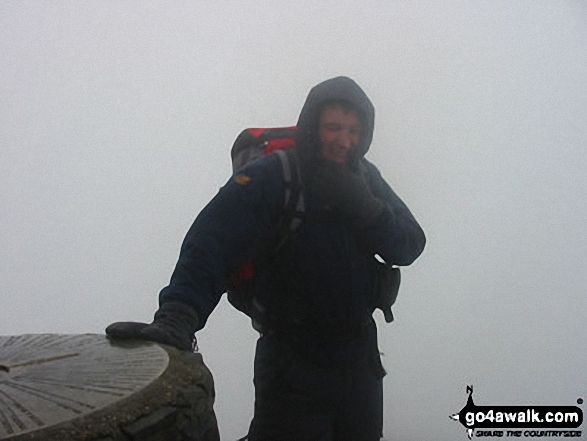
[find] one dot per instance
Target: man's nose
(346, 140)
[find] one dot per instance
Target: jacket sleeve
(395, 235)
(227, 231)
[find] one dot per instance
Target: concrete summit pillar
(86, 387)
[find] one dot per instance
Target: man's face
(339, 132)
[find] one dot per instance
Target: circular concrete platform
(87, 387)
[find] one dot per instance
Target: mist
(116, 122)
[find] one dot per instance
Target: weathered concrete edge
(179, 401)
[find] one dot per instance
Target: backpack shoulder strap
(294, 205)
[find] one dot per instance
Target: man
(318, 374)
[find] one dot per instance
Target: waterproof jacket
(321, 282)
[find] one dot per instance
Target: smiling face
(339, 132)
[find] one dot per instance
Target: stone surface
(86, 387)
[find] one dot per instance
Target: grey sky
(116, 121)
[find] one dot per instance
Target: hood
(334, 89)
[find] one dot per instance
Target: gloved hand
(174, 324)
(346, 190)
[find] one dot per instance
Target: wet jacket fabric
(319, 288)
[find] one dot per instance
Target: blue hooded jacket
(321, 283)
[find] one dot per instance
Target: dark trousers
(299, 400)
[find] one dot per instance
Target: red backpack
(248, 146)
(253, 143)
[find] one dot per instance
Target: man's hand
(174, 324)
(347, 191)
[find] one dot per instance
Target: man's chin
(338, 159)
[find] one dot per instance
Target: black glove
(174, 324)
(346, 190)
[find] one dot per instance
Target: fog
(116, 121)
